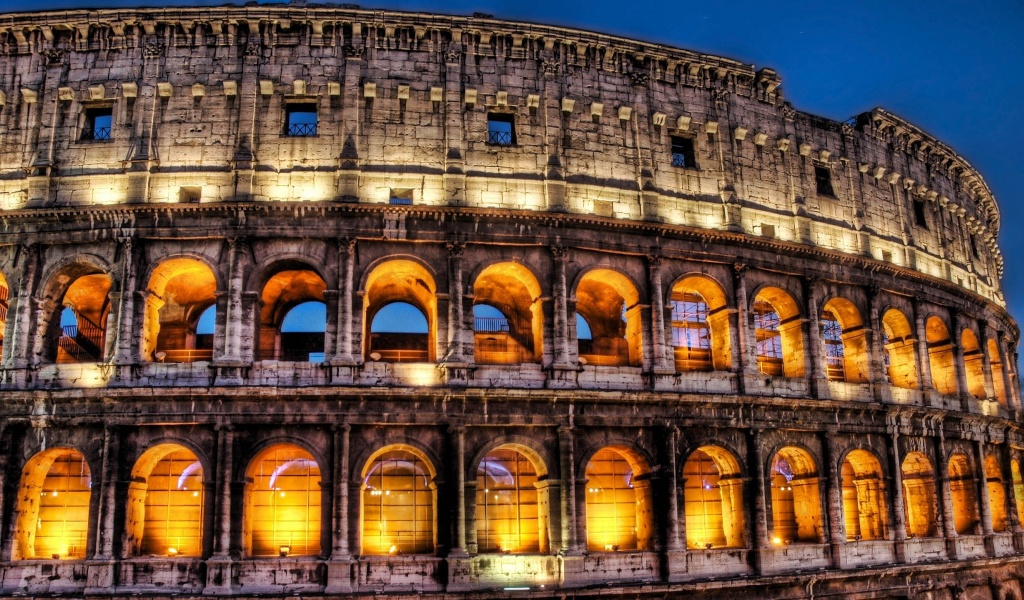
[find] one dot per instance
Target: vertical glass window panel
(768, 338)
(62, 526)
(506, 503)
(398, 505)
(611, 503)
(832, 346)
(784, 526)
(703, 500)
(174, 506)
(691, 335)
(285, 503)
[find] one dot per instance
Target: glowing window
(691, 335)
(919, 495)
(768, 338)
(703, 502)
(174, 506)
(62, 523)
(784, 525)
(399, 333)
(832, 346)
(611, 503)
(284, 503)
(506, 503)
(398, 505)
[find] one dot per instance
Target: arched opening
(399, 496)
(778, 333)
(52, 507)
(400, 313)
(898, 344)
(1018, 489)
(996, 493)
(283, 498)
(844, 342)
(963, 495)
(619, 508)
(4, 305)
(611, 306)
(293, 320)
(507, 315)
(700, 325)
(796, 502)
(165, 503)
(180, 291)
(998, 383)
(508, 507)
(940, 356)
(81, 320)
(919, 495)
(974, 364)
(863, 496)
(713, 498)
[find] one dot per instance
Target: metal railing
(293, 355)
(499, 138)
(301, 129)
(490, 324)
(403, 355)
(187, 355)
(82, 342)
(680, 160)
(96, 133)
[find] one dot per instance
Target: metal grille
(96, 133)
(832, 342)
(499, 138)
(301, 129)
(691, 335)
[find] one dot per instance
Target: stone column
(562, 344)
(249, 101)
(21, 327)
(551, 104)
(456, 318)
(459, 547)
(744, 346)
(924, 365)
(1013, 514)
(898, 511)
(570, 542)
(123, 346)
(984, 501)
(225, 458)
(986, 360)
(660, 346)
(454, 131)
(958, 358)
(344, 353)
(674, 534)
(876, 353)
(946, 500)
(758, 489)
(1004, 359)
(834, 495)
(814, 356)
(339, 570)
(108, 497)
(233, 309)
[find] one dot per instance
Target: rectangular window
(767, 230)
(188, 194)
(98, 122)
(683, 154)
(974, 245)
(919, 213)
(400, 196)
(501, 129)
(823, 179)
(300, 120)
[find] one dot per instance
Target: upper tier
(304, 103)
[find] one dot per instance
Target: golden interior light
(398, 504)
(167, 477)
(612, 505)
(713, 497)
(284, 502)
(507, 518)
(53, 506)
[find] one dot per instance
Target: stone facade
(734, 349)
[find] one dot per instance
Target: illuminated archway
(399, 499)
(998, 383)
(863, 496)
(293, 296)
(844, 342)
(919, 499)
(1018, 489)
(713, 499)
(796, 501)
(283, 503)
(619, 503)
(974, 364)
(611, 306)
(75, 329)
(963, 495)
(52, 507)
(512, 331)
(165, 503)
(700, 325)
(508, 507)
(5, 293)
(400, 283)
(940, 356)
(180, 289)
(778, 333)
(900, 353)
(996, 493)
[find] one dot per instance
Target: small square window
(501, 129)
(98, 122)
(402, 197)
(188, 194)
(767, 230)
(300, 120)
(683, 154)
(887, 256)
(919, 216)
(823, 179)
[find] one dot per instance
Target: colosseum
(310, 300)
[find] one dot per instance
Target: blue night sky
(951, 67)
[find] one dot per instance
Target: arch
(996, 362)
(288, 285)
(85, 288)
(940, 356)
(52, 508)
(701, 333)
(778, 333)
(618, 501)
(517, 335)
(996, 493)
(844, 342)
(5, 293)
(610, 303)
(180, 290)
(399, 498)
(919, 498)
(405, 281)
(899, 344)
(283, 503)
(164, 512)
(962, 493)
(1018, 488)
(796, 499)
(974, 363)
(511, 502)
(863, 490)
(713, 499)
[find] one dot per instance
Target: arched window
(779, 334)
(302, 332)
(796, 502)
(400, 308)
(863, 496)
(398, 504)
(832, 346)
(399, 333)
(76, 331)
(293, 315)
(52, 513)
(497, 339)
(996, 493)
(963, 495)
(769, 341)
(1018, 488)
(180, 290)
(618, 503)
(940, 356)
(4, 305)
(998, 383)
(919, 495)
(507, 508)
(507, 316)
(713, 492)
(165, 503)
(974, 367)
(609, 303)
(900, 354)
(284, 497)
(691, 334)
